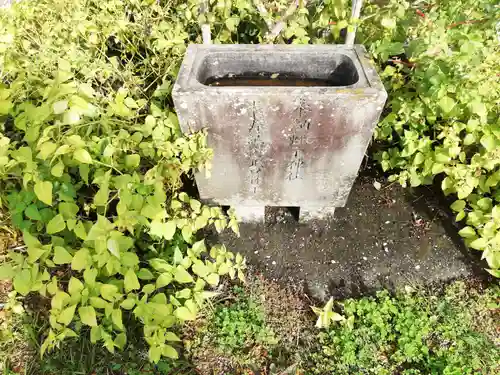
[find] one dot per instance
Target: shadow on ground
(387, 238)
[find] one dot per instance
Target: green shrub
(90, 164)
(91, 155)
(443, 115)
(412, 333)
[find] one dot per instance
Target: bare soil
(384, 238)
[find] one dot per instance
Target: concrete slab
(392, 237)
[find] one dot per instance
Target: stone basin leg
(250, 213)
(308, 213)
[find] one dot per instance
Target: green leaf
(388, 23)
(59, 300)
(170, 352)
(22, 282)
(32, 212)
(128, 304)
(447, 104)
(155, 354)
(101, 197)
(485, 204)
(467, 232)
(82, 156)
(199, 247)
(68, 210)
(43, 191)
(121, 340)
(488, 142)
(149, 288)
(132, 161)
(56, 225)
(224, 269)
(213, 279)
(67, 315)
(130, 281)
(164, 230)
(71, 117)
(200, 269)
(458, 205)
(34, 253)
(113, 247)
(75, 286)
(109, 291)
(46, 149)
(60, 106)
(80, 231)
(183, 313)
(89, 276)
(62, 256)
(95, 334)
(187, 233)
(6, 272)
(130, 103)
(80, 259)
(98, 303)
(87, 316)
(182, 276)
(478, 108)
(116, 317)
(479, 244)
(129, 259)
(170, 336)
(164, 279)
(145, 274)
(178, 257)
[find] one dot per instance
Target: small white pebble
(377, 185)
(274, 263)
(333, 262)
(268, 256)
(417, 267)
(256, 252)
(385, 244)
(365, 258)
(387, 222)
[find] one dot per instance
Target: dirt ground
(384, 238)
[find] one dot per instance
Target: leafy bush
(90, 167)
(439, 61)
(413, 333)
(91, 155)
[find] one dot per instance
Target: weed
(412, 333)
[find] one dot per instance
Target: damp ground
(386, 237)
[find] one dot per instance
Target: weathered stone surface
(278, 145)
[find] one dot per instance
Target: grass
(413, 332)
(263, 328)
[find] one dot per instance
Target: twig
(280, 25)
(398, 61)
(469, 22)
(264, 13)
(23, 247)
(205, 27)
(356, 10)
